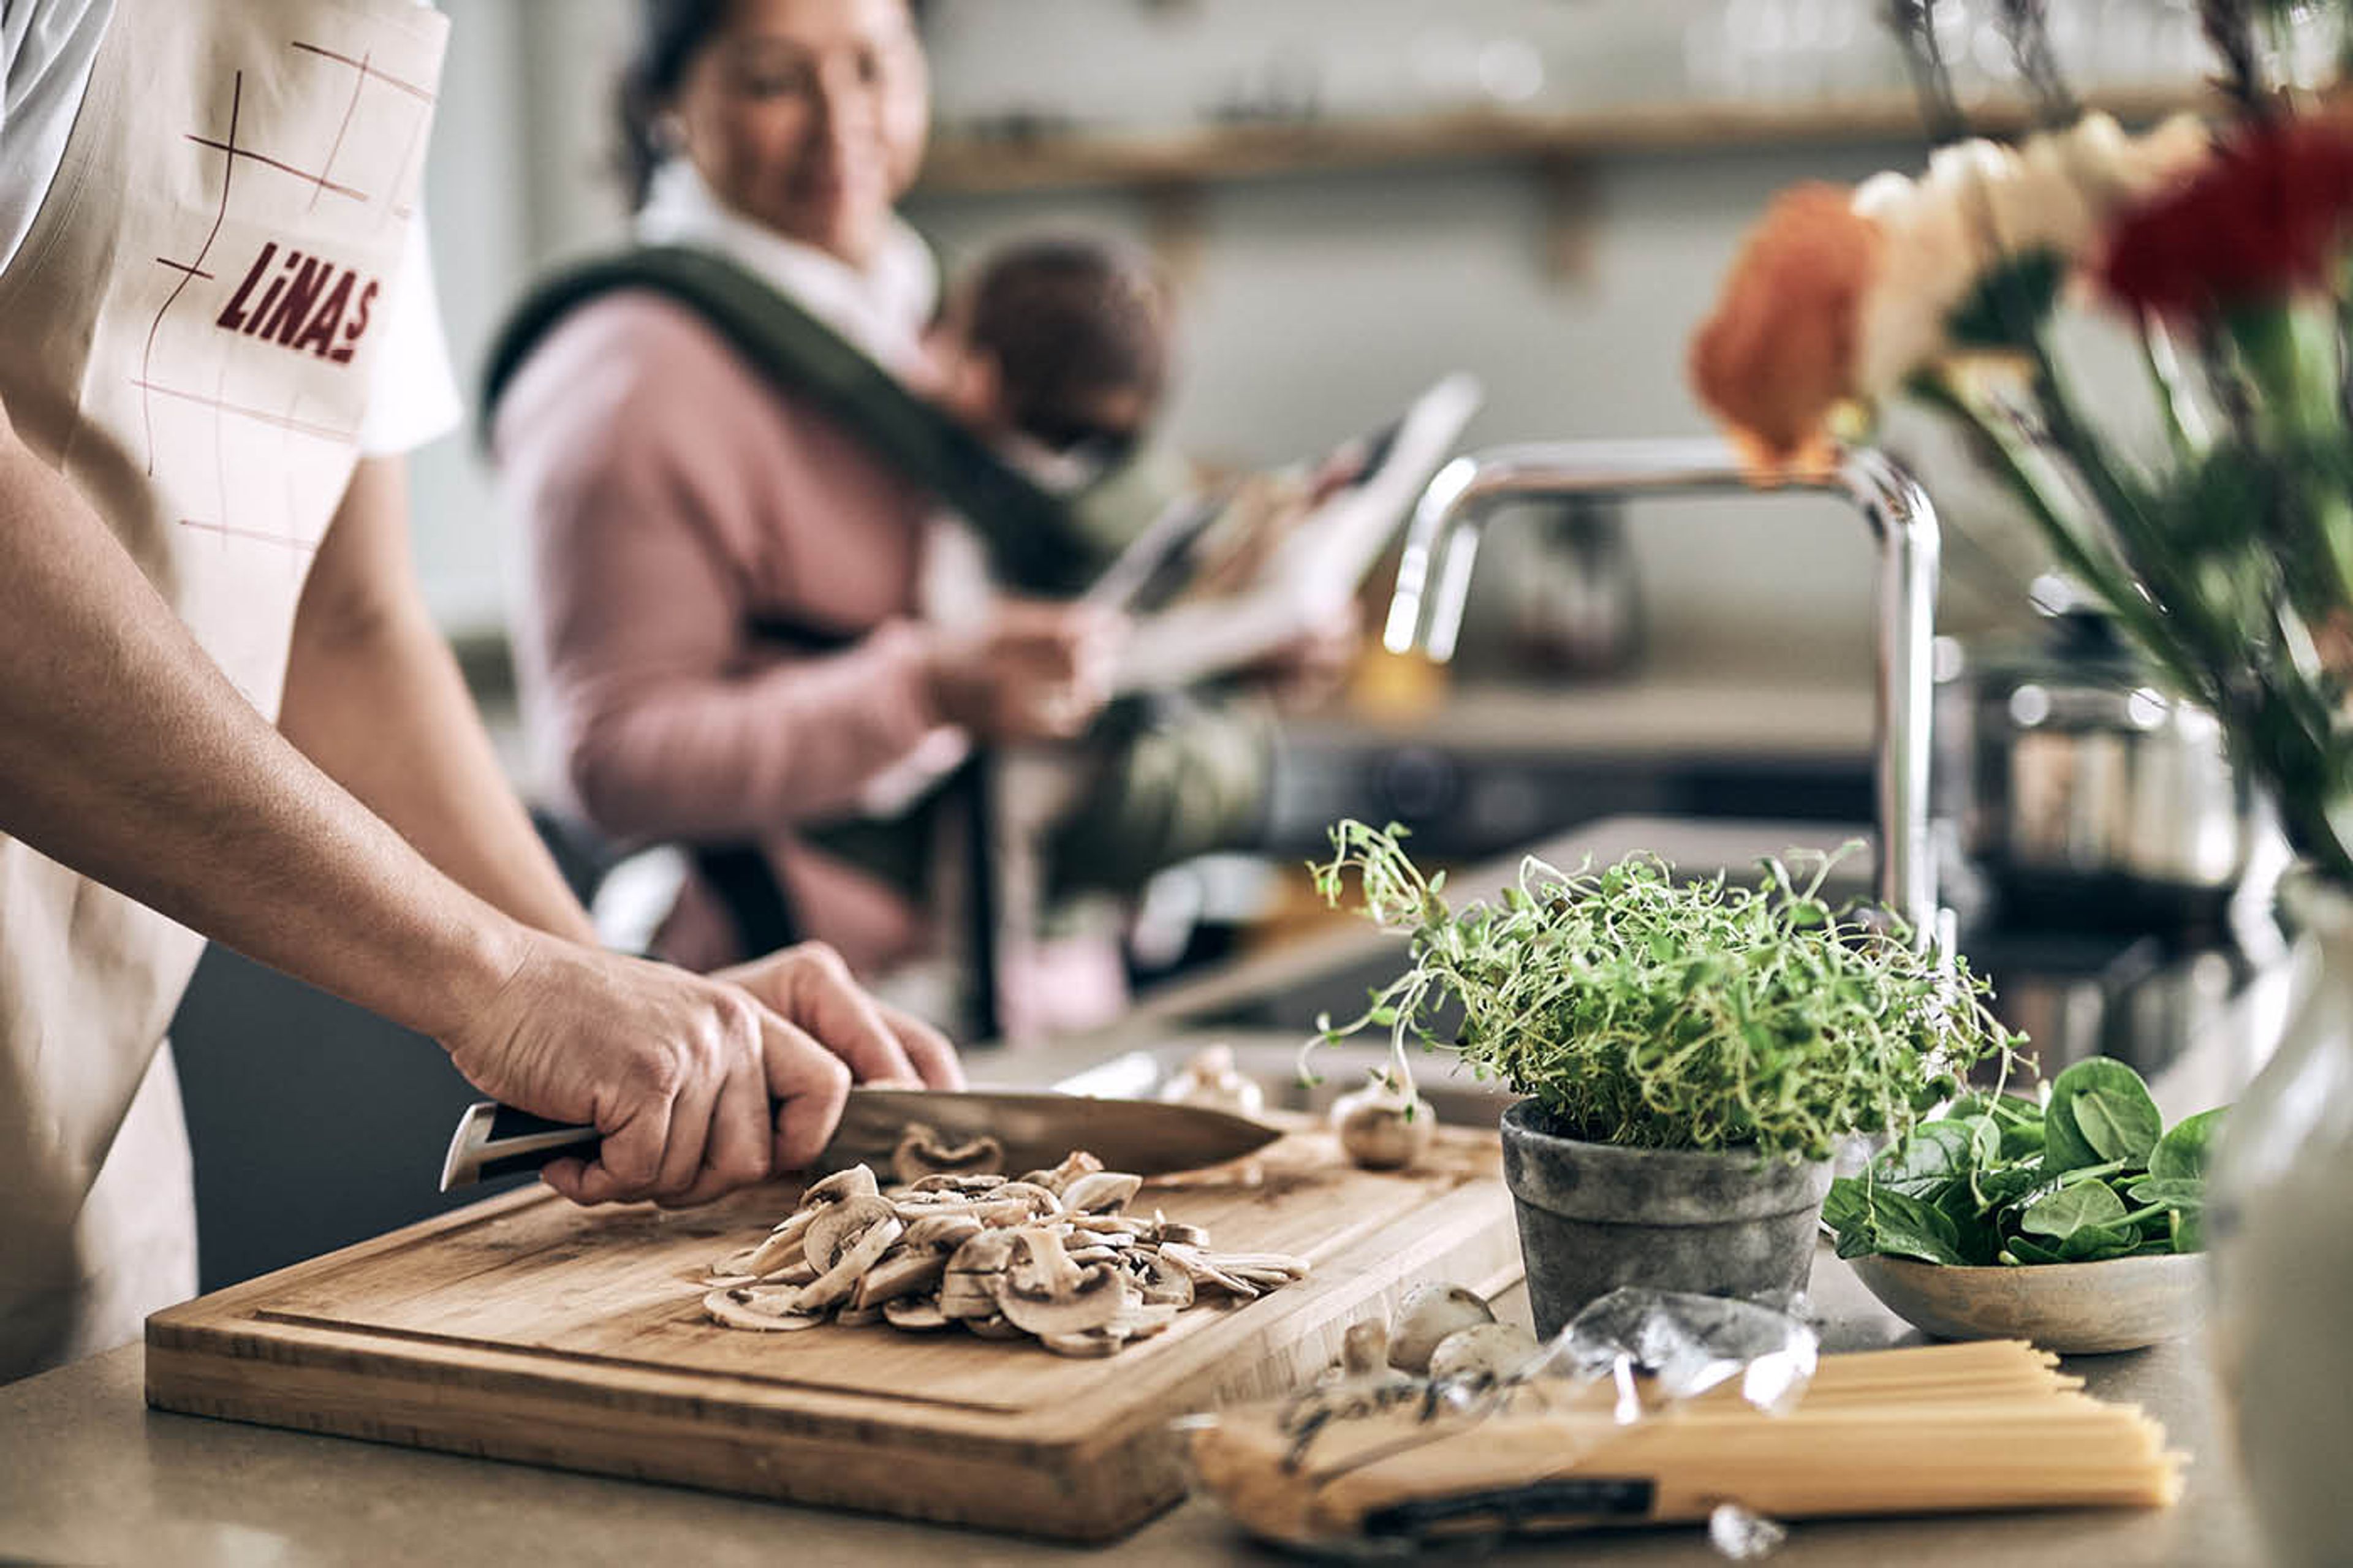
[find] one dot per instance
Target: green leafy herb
(1642, 1010)
(2099, 1110)
(2085, 1178)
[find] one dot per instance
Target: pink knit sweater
(670, 497)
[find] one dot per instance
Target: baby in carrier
(1057, 350)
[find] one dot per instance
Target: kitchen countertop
(88, 1475)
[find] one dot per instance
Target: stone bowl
(2075, 1309)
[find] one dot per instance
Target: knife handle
(494, 1141)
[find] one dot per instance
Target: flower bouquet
(2207, 497)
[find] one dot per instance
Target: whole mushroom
(1385, 1126)
(1483, 1354)
(1211, 1079)
(1429, 1314)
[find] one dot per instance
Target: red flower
(2270, 215)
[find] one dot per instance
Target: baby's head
(1063, 341)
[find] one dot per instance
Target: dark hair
(1070, 320)
(670, 33)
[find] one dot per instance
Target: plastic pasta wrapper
(1657, 1409)
(1658, 1347)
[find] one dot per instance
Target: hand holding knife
(1145, 1137)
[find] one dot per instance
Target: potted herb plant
(1690, 1054)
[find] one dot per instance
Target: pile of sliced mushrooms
(1048, 1255)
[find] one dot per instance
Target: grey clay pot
(1594, 1216)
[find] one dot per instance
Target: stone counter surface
(90, 1476)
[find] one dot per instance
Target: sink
(1271, 1061)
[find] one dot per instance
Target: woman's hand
(1313, 667)
(697, 1087)
(1033, 671)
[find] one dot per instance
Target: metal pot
(2080, 788)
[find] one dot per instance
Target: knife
(1145, 1137)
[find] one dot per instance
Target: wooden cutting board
(522, 1327)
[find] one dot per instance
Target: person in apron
(192, 560)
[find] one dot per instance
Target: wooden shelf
(963, 164)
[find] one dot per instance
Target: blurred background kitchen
(1353, 197)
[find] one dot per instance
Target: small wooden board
(525, 1329)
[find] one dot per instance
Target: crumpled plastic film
(1741, 1534)
(1686, 1345)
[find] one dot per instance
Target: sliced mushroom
(857, 1317)
(833, 1232)
(968, 1286)
(906, 1272)
(1280, 1263)
(1100, 1192)
(922, 1152)
(1048, 1293)
(1143, 1320)
(857, 1182)
(781, 1250)
(1114, 1229)
(1162, 1282)
(834, 1286)
(995, 1326)
(1043, 1202)
(1090, 1342)
(769, 1311)
(966, 1184)
(945, 1232)
(1431, 1313)
(1482, 1355)
(915, 1314)
(1005, 1215)
(1167, 1230)
(1076, 1163)
(1205, 1270)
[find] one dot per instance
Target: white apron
(185, 334)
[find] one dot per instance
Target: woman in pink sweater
(721, 646)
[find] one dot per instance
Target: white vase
(2280, 1233)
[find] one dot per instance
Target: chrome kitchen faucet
(1447, 523)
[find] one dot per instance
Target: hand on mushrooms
(1052, 1257)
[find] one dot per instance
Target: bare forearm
(129, 757)
(374, 697)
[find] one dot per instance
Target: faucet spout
(1442, 545)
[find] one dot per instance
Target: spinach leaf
(1901, 1225)
(2020, 1250)
(1846, 1211)
(2019, 1119)
(2185, 1152)
(2095, 1243)
(2167, 1192)
(1935, 1156)
(2062, 1213)
(2100, 1111)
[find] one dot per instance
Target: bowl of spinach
(1691, 1053)
(2072, 1221)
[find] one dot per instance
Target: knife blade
(1149, 1138)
